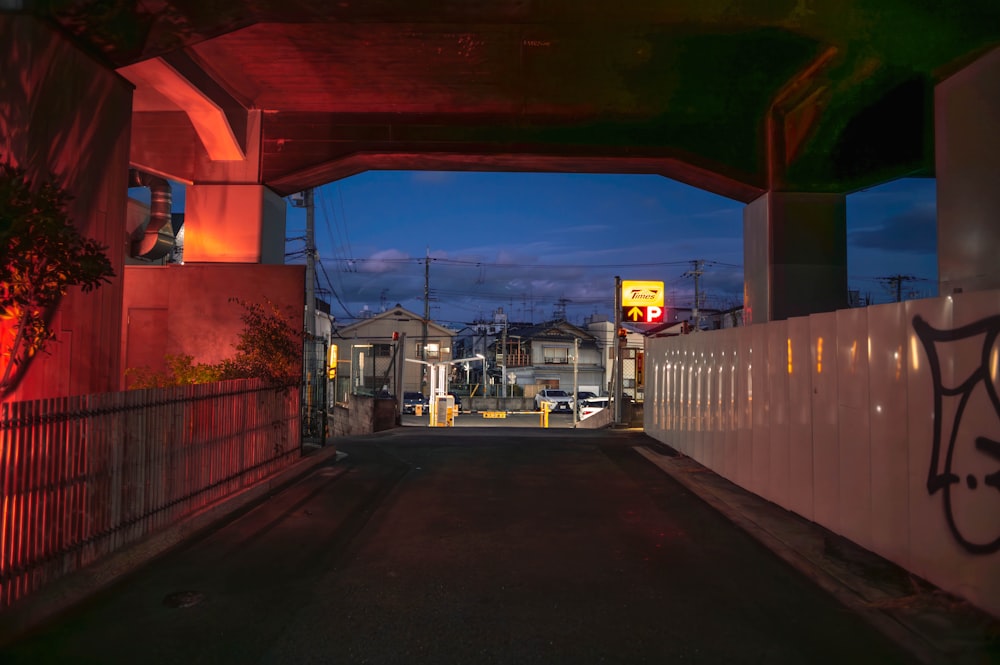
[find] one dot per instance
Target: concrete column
(234, 224)
(967, 162)
(794, 255)
(64, 113)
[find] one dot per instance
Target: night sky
(537, 244)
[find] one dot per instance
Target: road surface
(468, 545)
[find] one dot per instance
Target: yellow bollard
(545, 415)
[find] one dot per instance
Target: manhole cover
(183, 599)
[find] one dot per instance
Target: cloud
(911, 232)
(388, 260)
(432, 177)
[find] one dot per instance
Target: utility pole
(427, 315)
(616, 372)
(503, 372)
(576, 381)
(697, 272)
(307, 198)
(896, 284)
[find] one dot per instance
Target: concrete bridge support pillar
(794, 255)
(967, 162)
(234, 224)
(62, 112)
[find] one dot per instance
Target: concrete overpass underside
(736, 97)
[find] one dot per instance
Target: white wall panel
(853, 425)
(716, 437)
(826, 446)
(760, 412)
(687, 399)
(887, 366)
(731, 402)
(778, 344)
(800, 446)
(744, 464)
(975, 454)
(930, 545)
(854, 407)
(698, 398)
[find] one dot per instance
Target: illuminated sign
(331, 372)
(637, 314)
(642, 294)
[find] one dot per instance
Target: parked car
(592, 406)
(584, 395)
(558, 400)
(410, 401)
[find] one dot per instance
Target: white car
(593, 405)
(558, 400)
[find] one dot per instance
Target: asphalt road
(468, 545)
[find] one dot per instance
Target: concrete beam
(160, 87)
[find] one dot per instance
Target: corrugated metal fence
(82, 476)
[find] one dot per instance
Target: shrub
(42, 255)
(268, 348)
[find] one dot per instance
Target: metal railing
(80, 477)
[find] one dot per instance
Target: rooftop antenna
(560, 309)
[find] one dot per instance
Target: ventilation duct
(154, 239)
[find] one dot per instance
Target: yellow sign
(331, 370)
(642, 294)
(494, 414)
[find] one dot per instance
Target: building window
(383, 350)
(433, 351)
(555, 355)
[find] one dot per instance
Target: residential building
(367, 352)
(545, 356)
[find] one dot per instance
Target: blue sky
(538, 243)
(526, 241)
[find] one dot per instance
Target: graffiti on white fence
(968, 401)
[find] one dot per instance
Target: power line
(461, 262)
(334, 291)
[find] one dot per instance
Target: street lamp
(439, 380)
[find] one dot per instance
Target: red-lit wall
(66, 114)
(186, 309)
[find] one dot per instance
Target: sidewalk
(933, 626)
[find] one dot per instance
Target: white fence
(882, 424)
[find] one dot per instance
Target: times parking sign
(642, 301)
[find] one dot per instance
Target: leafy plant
(42, 255)
(181, 371)
(268, 348)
